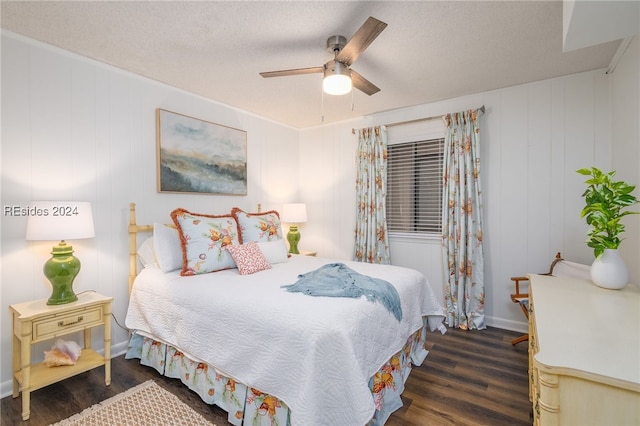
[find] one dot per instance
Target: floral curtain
(372, 243)
(462, 222)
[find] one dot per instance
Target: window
(414, 186)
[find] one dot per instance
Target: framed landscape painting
(200, 157)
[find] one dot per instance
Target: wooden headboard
(134, 230)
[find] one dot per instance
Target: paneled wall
(533, 139)
(75, 129)
(626, 149)
(79, 130)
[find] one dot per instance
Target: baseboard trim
(521, 327)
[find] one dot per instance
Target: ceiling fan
(338, 75)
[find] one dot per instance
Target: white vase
(609, 270)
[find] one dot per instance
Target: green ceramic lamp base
(293, 237)
(61, 270)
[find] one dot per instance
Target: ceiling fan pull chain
(322, 97)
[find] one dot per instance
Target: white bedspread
(314, 353)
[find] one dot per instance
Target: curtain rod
(353, 131)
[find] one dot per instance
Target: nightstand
(36, 321)
(308, 253)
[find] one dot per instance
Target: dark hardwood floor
(469, 378)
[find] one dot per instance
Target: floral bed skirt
(249, 406)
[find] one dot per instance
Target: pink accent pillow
(248, 258)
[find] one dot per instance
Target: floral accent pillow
(258, 227)
(203, 239)
(249, 258)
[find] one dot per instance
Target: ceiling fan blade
(297, 71)
(362, 84)
(361, 40)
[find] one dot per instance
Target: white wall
(75, 129)
(625, 84)
(533, 139)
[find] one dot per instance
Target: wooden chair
(522, 299)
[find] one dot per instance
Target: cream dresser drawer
(55, 325)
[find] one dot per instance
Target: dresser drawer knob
(66, 324)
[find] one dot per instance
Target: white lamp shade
(60, 220)
(294, 213)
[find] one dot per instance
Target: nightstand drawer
(47, 328)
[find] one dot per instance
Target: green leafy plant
(605, 201)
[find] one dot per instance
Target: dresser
(584, 353)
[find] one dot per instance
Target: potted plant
(606, 201)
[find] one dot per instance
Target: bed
(237, 330)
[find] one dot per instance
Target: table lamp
(60, 220)
(294, 213)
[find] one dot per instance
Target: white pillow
(146, 253)
(275, 251)
(166, 243)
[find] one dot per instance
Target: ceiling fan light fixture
(337, 78)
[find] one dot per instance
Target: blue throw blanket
(338, 280)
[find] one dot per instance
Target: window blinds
(414, 186)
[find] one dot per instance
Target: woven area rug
(145, 404)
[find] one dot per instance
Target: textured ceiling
(429, 51)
